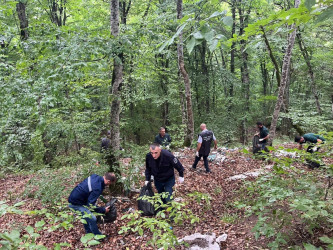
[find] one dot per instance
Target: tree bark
(117, 79)
(20, 9)
(284, 79)
(271, 55)
(244, 71)
(233, 45)
(184, 74)
(306, 57)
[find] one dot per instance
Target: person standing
(205, 139)
(163, 138)
(84, 196)
(309, 138)
(263, 135)
(161, 163)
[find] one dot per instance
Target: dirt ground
(221, 217)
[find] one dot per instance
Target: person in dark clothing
(161, 163)
(205, 139)
(263, 135)
(163, 138)
(310, 138)
(106, 142)
(84, 196)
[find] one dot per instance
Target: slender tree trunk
(184, 74)
(205, 74)
(233, 45)
(20, 9)
(245, 72)
(284, 79)
(306, 57)
(117, 79)
(271, 55)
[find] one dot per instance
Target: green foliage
(27, 238)
(172, 213)
(201, 197)
(290, 196)
(50, 186)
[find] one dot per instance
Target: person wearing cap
(161, 164)
(84, 196)
(205, 139)
(310, 138)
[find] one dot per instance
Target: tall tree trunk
(306, 57)
(244, 70)
(57, 12)
(271, 55)
(205, 73)
(117, 79)
(233, 45)
(181, 65)
(284, 79)
(20, 9)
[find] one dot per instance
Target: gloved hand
(181, 180)
(314, 149)
(197, 154)
(146, 183)
(167, 147)
(261, 139)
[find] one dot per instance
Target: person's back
(313, 138)
(207, 138)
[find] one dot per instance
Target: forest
(74, 72)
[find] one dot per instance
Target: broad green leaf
(40, 223)
(309, 4)
(325, 14)
(198, 36)
(227, 20)
(85, 238)
(93, 242)
(213, 45)
(326, 240)
(190, 45)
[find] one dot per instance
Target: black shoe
(208, 171)
(194, 168)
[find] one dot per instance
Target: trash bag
(143, 205)
(111, 215)
(256, 145)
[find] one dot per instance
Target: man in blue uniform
(205, 139)
(163, 138)
(161, 163)
(309, 138)
(263, 134)
(84, 196)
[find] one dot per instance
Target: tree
(285, 77)
(184, 74)
(117, 79)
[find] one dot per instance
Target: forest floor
(221, 217)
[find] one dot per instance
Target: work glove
(181, 180)
(261, 139)
(314, 149)
(146, 183)
(197, 154)
(167, 147)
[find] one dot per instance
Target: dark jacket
(163, 141)
(163, 168)
(82, 197)
(312, 138)
(263, 133)
(207, 138)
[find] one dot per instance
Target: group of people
(160, 163)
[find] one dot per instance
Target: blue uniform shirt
(82, 197)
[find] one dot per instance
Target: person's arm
(215, 144)
(92, 200)
(156, 140)
(148, 170)
(198, 146)
(177, 165)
